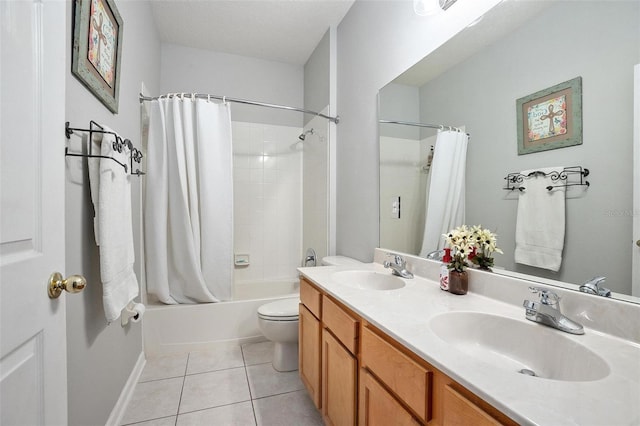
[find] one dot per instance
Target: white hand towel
(94, 182)
(115, 233)
(540, 223)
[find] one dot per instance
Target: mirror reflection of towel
(540, 222)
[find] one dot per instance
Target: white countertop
(405, 313)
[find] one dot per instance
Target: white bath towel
(115, 233)
(540, 222)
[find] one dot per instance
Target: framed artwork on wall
(550, 118)
(97, 49)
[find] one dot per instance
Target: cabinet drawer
(459, 411)
(410, 381)
(341, 324)
(311, 297)
(379, 407)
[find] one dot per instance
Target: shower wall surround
(267, 191)
(402, 175)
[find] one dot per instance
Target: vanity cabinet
(339, 381)
(417, 388)
(377, 407)
(460, 411)
(407, 379)
(309, 349)
(328, 367)
(356, 373)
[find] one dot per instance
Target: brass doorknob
(638, 243)
(73, 284)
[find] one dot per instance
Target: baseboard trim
(115, 418)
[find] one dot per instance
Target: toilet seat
(281, 310)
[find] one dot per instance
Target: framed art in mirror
(550, 118)
(97, 49)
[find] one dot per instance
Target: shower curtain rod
(430, 126)
(143, 98)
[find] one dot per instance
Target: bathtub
(171, 329)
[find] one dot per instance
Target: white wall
(604, 59)
(185, 69)
(376, 42)
(315, 176)
(399, 102)
(100, 357)
(316, 78)
(315, 170)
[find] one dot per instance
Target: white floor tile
(213, 360)
(153, 400)
(208, 390)
(264, 380)
(164, 367)
(240, 414)
(257, 353)
(289, 409)
(165, 421)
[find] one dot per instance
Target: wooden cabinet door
(309, 351)
(377, 407)
(459, 411)
(339, 382)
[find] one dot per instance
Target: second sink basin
(519, 346)
(368, 280)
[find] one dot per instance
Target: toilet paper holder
(133, 312)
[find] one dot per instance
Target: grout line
(162, 378)
(278, 394)
(184, 379)
(214, 407)
(148, 420)
(215, 371)
(253, 407)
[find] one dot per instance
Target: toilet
(339, 260)
(279, 320)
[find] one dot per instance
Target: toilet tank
(339, 260)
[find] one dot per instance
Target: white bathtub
(182, 328)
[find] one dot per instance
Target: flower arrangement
(486, 244)
(475, 244)
(461, 242)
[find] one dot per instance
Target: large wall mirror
(473, 81)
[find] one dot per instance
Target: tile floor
(228, 386)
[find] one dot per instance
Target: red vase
(458, 282)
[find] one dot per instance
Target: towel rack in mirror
(569, 176)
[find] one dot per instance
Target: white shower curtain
(188, 215)
(445, 205)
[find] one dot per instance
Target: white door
(33, 370)
(635, 276)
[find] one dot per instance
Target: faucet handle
(399, 261)
(547, 297)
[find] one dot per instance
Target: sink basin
(368, 280)
(519, 346)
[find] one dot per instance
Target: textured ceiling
(278, 30)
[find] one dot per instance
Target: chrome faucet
(593, 286)
(436, 255)
(547, 312)
(398, 267)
